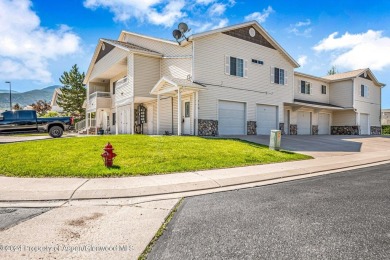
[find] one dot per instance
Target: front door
(186, 114)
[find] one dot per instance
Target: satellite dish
(177, 34)
(183, 27)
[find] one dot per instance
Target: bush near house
(386, 129)
(137, 155)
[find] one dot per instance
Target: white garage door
(323, 124)
(231, 118)
(304, 123)
(364, 124)
(266, 119)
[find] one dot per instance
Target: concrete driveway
(12, 138)
(327, 145)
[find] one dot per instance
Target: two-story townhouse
(235, 80)
(385, 117)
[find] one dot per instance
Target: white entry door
(231, 118)
(304, 123)
(267, 117)
(364, 124)
(186, 116)
(323, 124)
(287, 122)
(149, 118)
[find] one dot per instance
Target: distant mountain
(28, 97)
(7, 91)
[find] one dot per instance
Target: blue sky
(41, 39)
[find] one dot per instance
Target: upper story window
(323, 89)
(236, 67)
(278, 76)
(364, 91)
(305, 87)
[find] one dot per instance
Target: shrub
(386, 129)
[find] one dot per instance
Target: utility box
(274, 140)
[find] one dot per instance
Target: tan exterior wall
(124, 94)
(344, 118)
(316, 88)
(341, 93)
(210, 69)
(385, 118)
(176, 68)
(368, 105)
(146, 75)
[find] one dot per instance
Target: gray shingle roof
(130, 46)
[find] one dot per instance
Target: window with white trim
(236, 67)
(364, 91)
(323, 89)
(278, 76)
(305, 87)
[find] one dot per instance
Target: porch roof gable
(168, 85)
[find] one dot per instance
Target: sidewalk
(46, 189)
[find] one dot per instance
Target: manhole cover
(5, 211)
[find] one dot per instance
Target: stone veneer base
(251, 127)
(293, 129)
(344, 130)
(207, 127)
(375, 130)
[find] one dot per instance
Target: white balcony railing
(99, 100)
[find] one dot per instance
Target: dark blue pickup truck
(27, 121)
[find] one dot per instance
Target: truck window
(10, 115)
(28, 115)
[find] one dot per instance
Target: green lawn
(136, 155)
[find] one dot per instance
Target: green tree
(52, 114)
(17, 107)
(42, 107)
(332, 71)
(73, 93)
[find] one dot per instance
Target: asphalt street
(12, 216)
(338, 216)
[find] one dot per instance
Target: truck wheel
(56, 131)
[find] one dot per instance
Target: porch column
(179, 111)
(196, 112)
(158, 114)
(132, 117)
(116, 120)
(87, 123)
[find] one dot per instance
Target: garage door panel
(304, 123)
(231, 118)
(267, 117)
(323, 124)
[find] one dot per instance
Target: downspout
(353, 101)
(172, 113)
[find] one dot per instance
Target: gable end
(102, 53)
(243, 34)
(366, 77)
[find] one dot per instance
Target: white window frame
(244, 66)
(307, 87)
(282, 76)
(326, 89)
(366, 91)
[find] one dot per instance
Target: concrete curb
(46, 189)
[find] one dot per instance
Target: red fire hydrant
(108, 155)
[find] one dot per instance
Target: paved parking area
(327, 145)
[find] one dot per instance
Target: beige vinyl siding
(107, 61)
(176, 68)
(315, 90)
(340, 93)
(125, 93)
(112, 80)
(371, 104)
(165, 115)
(146, 75)
(209, 68)
(344, 118)
(167, 49)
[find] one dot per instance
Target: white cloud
(354, 51)
(302, 60)
(301, 28)
(261, 17)
(204, 2)
(217, 9)
(25, 47)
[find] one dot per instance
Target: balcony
(99, 100)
